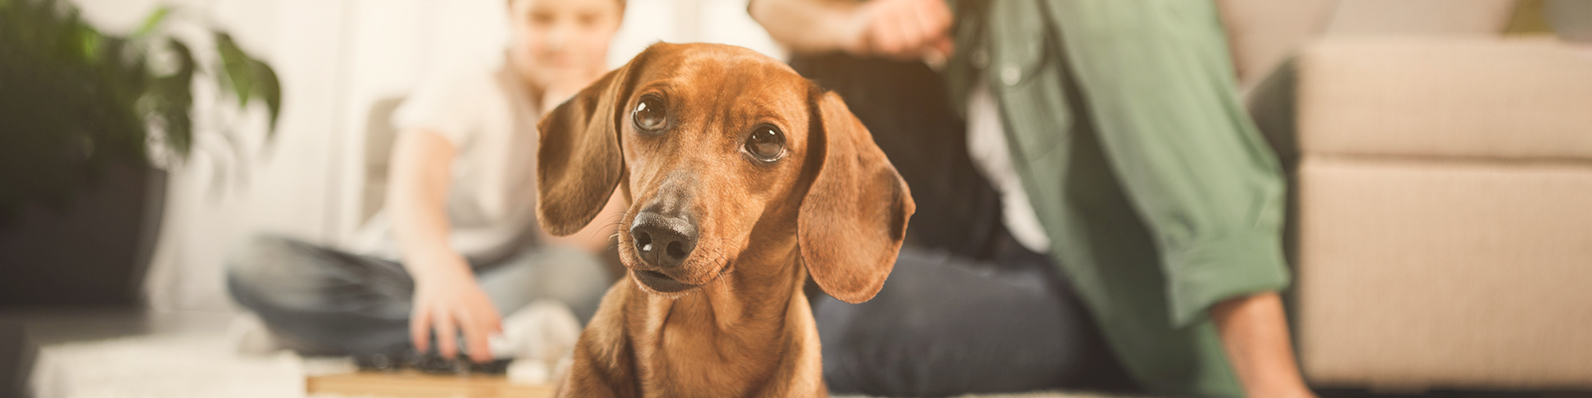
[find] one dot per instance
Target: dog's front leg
(587, 378)
(603, 364)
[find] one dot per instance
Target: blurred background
(1468, 236)
(338, 62)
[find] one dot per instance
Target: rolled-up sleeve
(1161, 90)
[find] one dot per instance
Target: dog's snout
(663, 241)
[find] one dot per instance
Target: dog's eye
(650, 114)
(766, 143)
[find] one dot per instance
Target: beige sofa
(1443, 190)
(1445, 213)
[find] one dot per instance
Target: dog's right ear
(578, 162)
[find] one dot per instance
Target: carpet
(206, 365)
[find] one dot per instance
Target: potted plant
(85, 119)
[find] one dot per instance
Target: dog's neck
(748, 332)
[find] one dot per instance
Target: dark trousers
(319, 300)
(946, 324)
(966, 309)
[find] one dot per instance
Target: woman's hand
(907, 30)
(448, 300)
(904, 30)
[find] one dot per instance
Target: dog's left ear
(855, 213)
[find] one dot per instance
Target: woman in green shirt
(1113, 131)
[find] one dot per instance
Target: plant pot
(92, 251)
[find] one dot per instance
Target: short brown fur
(832, 206)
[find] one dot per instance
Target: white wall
(335, 59)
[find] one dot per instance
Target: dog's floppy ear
(578, 162)
(855, 213)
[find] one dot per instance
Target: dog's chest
(694, 357)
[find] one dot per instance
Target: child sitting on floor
(458, 240)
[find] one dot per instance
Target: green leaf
(152, 22)
(89, 42)
(270, 90)
(174, 100)
(249, 78)
(237, 68)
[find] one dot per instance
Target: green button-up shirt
(1159, 196)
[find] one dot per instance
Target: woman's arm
(900, 29)
(1254, 334)
(447, 297)
(810, 26)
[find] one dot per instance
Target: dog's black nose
(661, 240)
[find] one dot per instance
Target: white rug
(164, 366)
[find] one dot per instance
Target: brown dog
(743, 178)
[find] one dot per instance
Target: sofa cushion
(1421, 273)
(1462, 98)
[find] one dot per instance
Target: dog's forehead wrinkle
(738, 116)
(760, 107)
(742, 89)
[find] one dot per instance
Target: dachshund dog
(743, 179)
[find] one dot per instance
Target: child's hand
(448, 300)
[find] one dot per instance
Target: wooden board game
(410, 383)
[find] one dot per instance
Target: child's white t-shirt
(487, 115)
